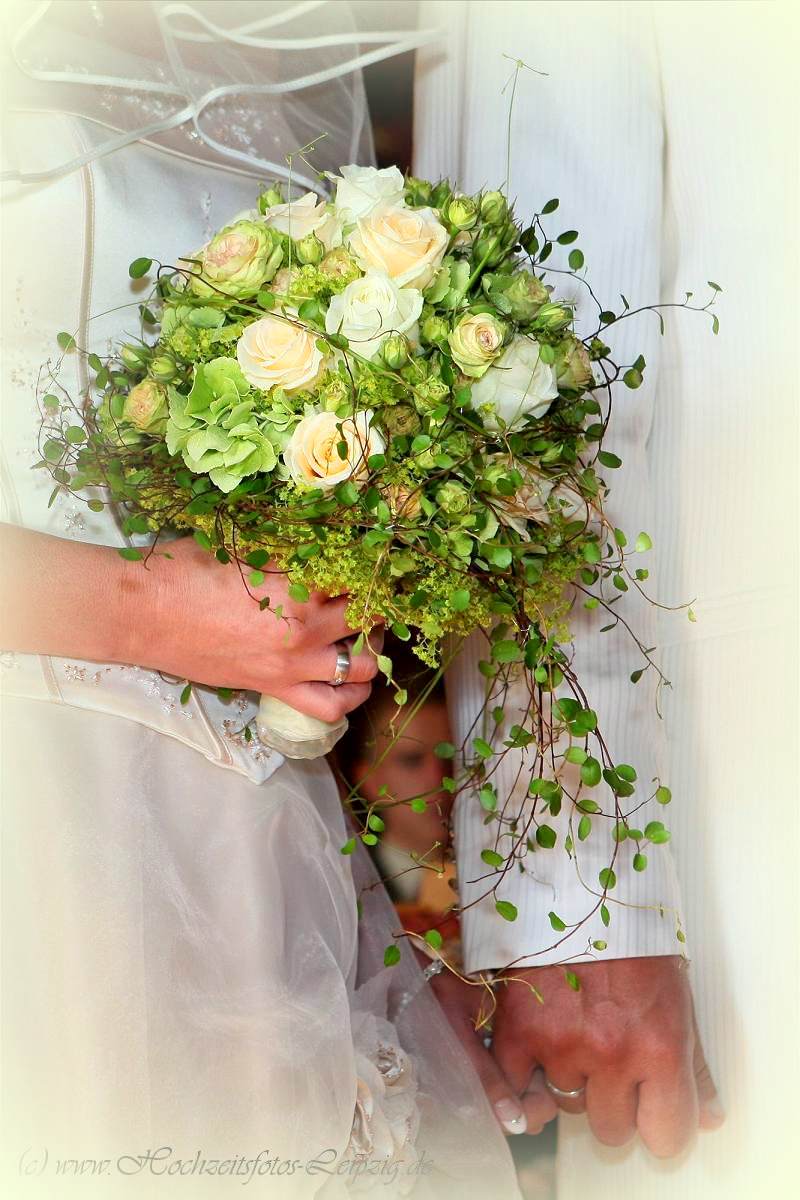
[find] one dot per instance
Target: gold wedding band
(342, 667)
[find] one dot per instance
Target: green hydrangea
(217, 429)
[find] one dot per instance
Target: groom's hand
(627, 1036)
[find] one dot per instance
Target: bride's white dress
(187, 985)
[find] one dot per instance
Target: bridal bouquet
(381, 395)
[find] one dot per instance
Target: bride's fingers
(324, 702)
(500, 1094)
(538, 1102)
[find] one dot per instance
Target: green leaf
(401, 631)
(550, 207)
(507, 910)
(369, 839)
(576, 754)
(460, 600)
(492, 858)
(434, 939)
(572, 980)
(591, 772)
(186, 694)
(376, 823)
(130, 553)
(75, 435)
(348, 847)
(663, 795)
(576, 259)
(556, 922)
(482, 748)
(713, 285)
(639, 862)
(347, 493)
(444, 750)
(96, 505)
(507, 651)
(567, 237)
(608, 879)
(605, 915)
(256, 578)
(66, 341)
(139, 267)
(488, 797)
(584, 828)
(298, 592)
(608, 459)
(391, 956)
(546, 837)
(202, 539)
(632, 378)
(419, 804)
(643, 543)
(257, 558)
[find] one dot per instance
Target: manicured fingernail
(511, 1116)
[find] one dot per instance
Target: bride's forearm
(66, 598)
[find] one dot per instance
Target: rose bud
(572, 364)
(494, 208)
(553, 317)
(310, 250)
(434, 330)
(461, 213)
(163, 368)
(269, 197)
(395, 351)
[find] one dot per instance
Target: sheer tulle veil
(234, 83)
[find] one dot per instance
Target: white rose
(407, 243)
(307, 215)
(276, 352)
(536, 498)
(313, 453)
(360, 189)
(518, 385)
(370, 309)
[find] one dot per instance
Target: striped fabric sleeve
(598, 109)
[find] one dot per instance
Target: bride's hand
(182, 613)
(206, 626)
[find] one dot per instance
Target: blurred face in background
(407, 767)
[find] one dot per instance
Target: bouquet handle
(294, 734)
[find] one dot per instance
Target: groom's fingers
(712, 1113)
(611, 1107)
(667, 1112)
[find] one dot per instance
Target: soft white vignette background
(724, 452)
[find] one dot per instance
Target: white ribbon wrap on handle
(294, 734)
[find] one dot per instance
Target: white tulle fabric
(228, 81)
(186, 981)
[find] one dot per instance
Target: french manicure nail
(511, 1116)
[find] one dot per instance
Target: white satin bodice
(68, 244)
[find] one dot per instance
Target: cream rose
(407, 243)
(476, 342)
(313, 453)
(307, 215)
(372, 308)
(274, 352)
(360, 189)
(517, 386)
